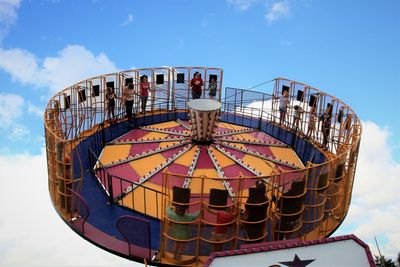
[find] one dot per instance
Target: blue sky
(349, 49)
(346, 48)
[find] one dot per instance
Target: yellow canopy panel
(145, 165)
(223, 160)
(244, 137)
(237, 144)
(145, 200)
(114, 152)
(152, 135)
(164, 125)
(187, 157)
(195, 184)
(259, 164)
(231, 126)
(287, 154)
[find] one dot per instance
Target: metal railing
(120, 191)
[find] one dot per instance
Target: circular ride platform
(193, 177)
(142, 155)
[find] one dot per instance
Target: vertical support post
(204, 83)
(189, 79)
(201, 215)
(110, 188)
(220, 86)
(169, 87)
(172, 95)
(238, 210)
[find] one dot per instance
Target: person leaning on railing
(225, 218)
(180, 230)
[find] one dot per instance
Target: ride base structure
(192, 177)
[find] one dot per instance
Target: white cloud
(33, 109)
(72, 64)
(11, 108)
(375, 206)
(8, 10)
(8, 15)
(277, 11)
(18, 132)
(128, 20)
(32, 234)
(21, 64)
(241, 5)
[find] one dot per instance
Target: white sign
(347, 252)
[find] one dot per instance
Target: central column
(203, 114)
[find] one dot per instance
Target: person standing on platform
(110, 99)
(225, 220)
(129, 96)
(311, 123)
(297, 115)
(144, 92)
(180, 229)
(326, 125)
(212, 88)
(283, 105)
(196, 83)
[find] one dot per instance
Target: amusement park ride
(190, 178)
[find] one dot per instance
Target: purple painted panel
(178, 168)
(143, 147)
(124, 171)
(177, 128)
(284, 167)
(264, 137)
(236, 153)
(112, 243)
(172, 180)
(288, 178)
(264, 150)
(134, 134)
(235, 170)
(157, 178)
(204, 161)
(170, 152)
(119, 186)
